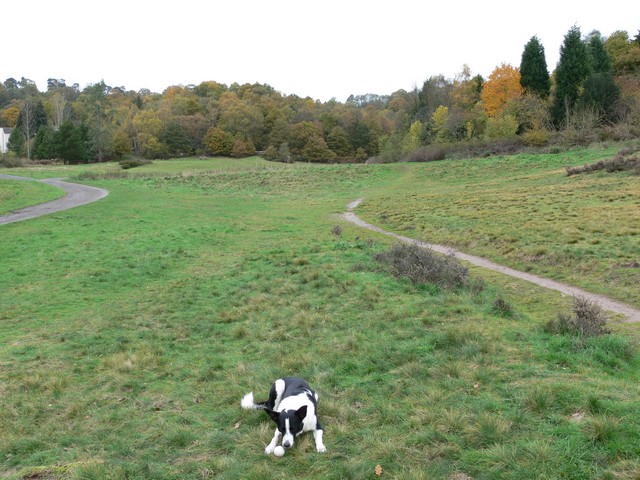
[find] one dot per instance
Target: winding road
(630, 313)
(76, 195)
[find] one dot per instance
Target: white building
(5, 133)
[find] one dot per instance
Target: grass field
(525, 212)
(131, 327)
(16, 195)
(186, 165)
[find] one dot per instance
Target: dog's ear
(274, 415)
(301, 412)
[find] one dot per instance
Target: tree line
(594, 88)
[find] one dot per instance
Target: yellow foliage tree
(440, 119)
(502, 87)
(11, 114)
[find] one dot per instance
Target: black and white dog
(293, 406)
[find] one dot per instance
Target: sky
(319, 49)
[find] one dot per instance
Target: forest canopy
(593, 93)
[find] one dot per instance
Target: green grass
(131, 328)
(16, 195)
(525, 212)
(176, 165)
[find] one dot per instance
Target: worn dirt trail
(76, 195)
(630, 313)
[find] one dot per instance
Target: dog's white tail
(247, 402)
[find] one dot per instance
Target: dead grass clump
(423, 265)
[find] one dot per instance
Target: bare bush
(12, 161)
(133, 163)
(586, 320)
(429, 153)
(423, 265)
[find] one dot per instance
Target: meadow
(16, 195)
(131, 327)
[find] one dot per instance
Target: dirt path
(631, 314)
(76, 195)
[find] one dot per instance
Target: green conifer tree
(599, 59)
(572, 70)
(533, 69)
(600, 90)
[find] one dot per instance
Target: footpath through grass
(525, 212)
(130, 329)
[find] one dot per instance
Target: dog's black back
(292, 386)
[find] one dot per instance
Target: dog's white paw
(269, 449)
(322, 449)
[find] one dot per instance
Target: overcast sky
(321, 49)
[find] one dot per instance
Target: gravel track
(630, 313)
(76, 195)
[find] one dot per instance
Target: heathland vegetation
(592, 94)
(131, 327)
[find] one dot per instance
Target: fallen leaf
(577, 417)
(378, 470)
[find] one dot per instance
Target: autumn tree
(316, 150)
(242, 148)
(338, 142)
(148, 128)
(572, 70)
(440, 119)
(10, 115)
(502, 87)
(121, 143)
(533, 69)
(240, 118)
(412, 139)
(300, 135)
(466, 89)
(219, 142)
(624, 52)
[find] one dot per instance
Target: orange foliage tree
(502, 87)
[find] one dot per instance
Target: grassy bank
(525, 212)
(132, 327)
(16, 195)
